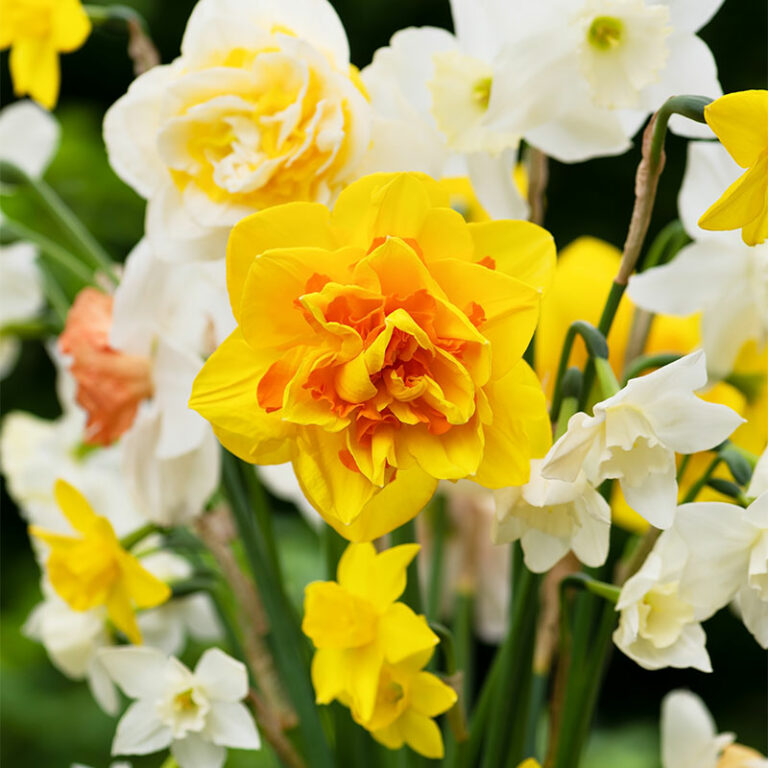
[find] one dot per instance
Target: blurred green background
(49, 721)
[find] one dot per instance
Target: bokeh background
(49, 721)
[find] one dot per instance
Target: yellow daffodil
(379, 348)
(740, 121)
(37, 31)
(93, 569)
(406, 701)
(530, 763)
(356, 625)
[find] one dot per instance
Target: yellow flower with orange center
(93, 569)
(379, 348)
(36, 32)
(740, 121)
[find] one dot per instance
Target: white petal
(195, 752)
(566, 457)
(131, 126)
(690, 68)
(223, 677)
(687, 732)
(140, 731)
(493, 182)
(281, 480)
(541, 551)
(29, 137)
(230, 724)
(591, 539)
(754, 613)
(139, 671)
(689, 374)
(102, 688)
(655, 499)
(691, 15)
(759, 483)
(709, 171)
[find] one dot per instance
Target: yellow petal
(445, 235)
(335, 491)
(430, 695)
(380, 577)
(329, 673)
(756, 231)
(337, 618)
(520, 430)
(364, 667)
(518, 248)
(397, 503)
(450, 456)
(121, 613)
(421, 734)
(382, 204)
(510, 307)
(530, 763)
(225, 394)
(742, 202)
(390, 737)
(74, 505)
(402, 633)
(142, 587)
(293, 225)
(740, 121)
(70, 25)
(34, 67)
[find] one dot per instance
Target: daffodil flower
(197, 713)
(37, 31)
(92, 568)
(407, 700)
(357, 625)
(379, 348)
(740, 121)
(633, 437)
(552, 517)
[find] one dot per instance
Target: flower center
(482, 92)
(663, 615)
(605, 32)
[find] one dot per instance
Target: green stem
(513, 684)
(52, 251)
(406, 534)
(439, 532)
(260, 505)
(56, 297)
(696, 488)
(289, 645)
(132, 539)
(647, 362)
(665, 245)
(64, 216)
(596, 345)
(606, 378)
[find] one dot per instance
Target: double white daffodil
(633, 437)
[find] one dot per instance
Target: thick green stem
(132, 539)
(696, 488)
(648, 362)
(406, 534)
(439, 532)
(289, 646)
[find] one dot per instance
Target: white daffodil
(633, 437)
(135, 356)
(688, 735)
(728, 548)
(21, 297)
(717, 275)
(759, 482)
(196, 713)
(430, 93)
(552, 517)
(577, 78)
(689, 738)
(29, 137)
(660, 621)
(72, 640)
(168, 626)
(35, 452)
(260, 108)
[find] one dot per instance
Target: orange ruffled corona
(110, 384)
(379, 348)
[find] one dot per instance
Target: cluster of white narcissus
(576, 80)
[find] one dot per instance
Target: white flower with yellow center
(577, 78)
(659, 624)
(196, 713)
(261, 108)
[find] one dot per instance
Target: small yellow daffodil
(93, 569)
(407, 700)
(37, 31)
(357, 626)
(740, 121)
